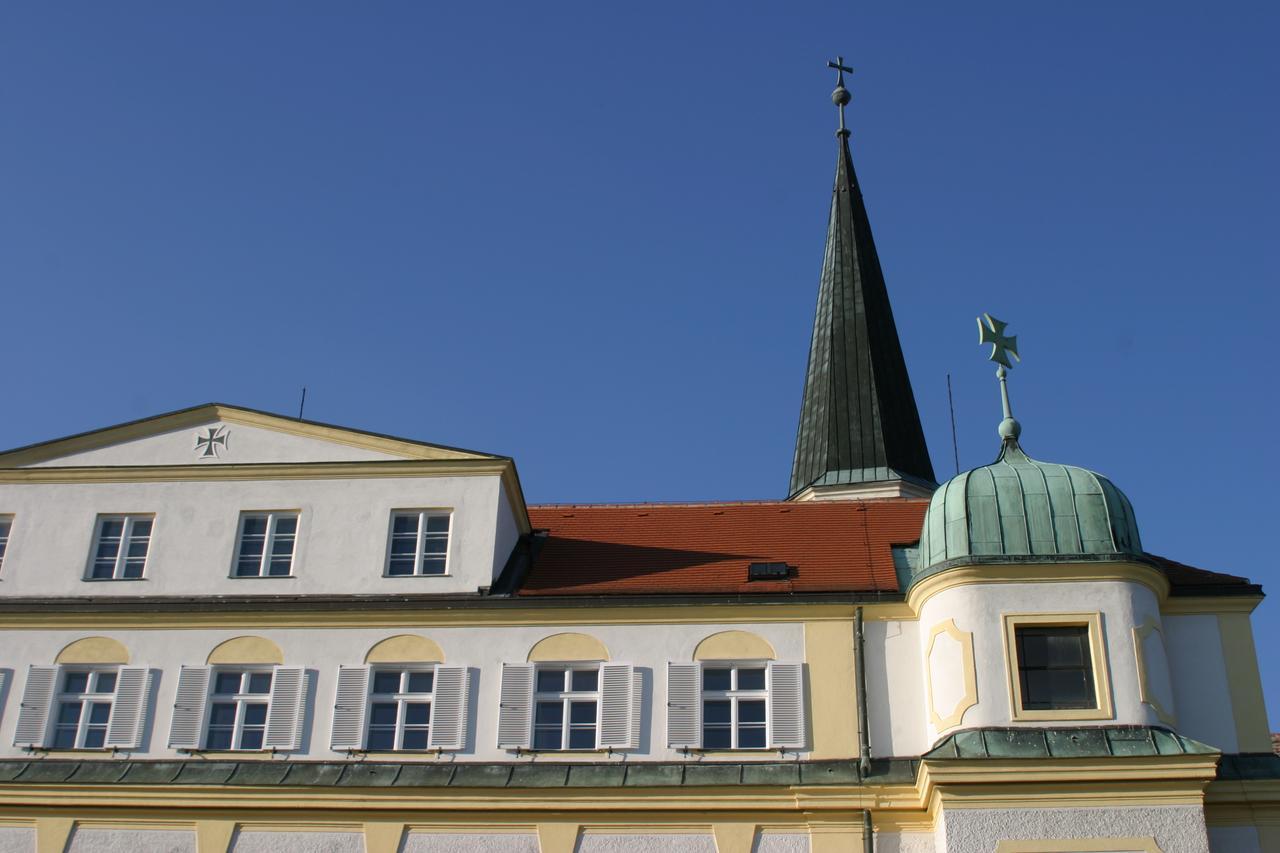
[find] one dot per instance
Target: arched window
(735, 695)
(89, 699)
(568, 695)
(243, 699)
(403, 699)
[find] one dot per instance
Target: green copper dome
(1018, 507)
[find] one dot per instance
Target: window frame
(241, 700)
(1103, 707)
(734, 696)
(402, 699)
(6, 533)
(264, 560)
(567, 699)
(86, 699)
(419, 554)
(126, 537)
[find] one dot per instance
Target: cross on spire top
(840, 97)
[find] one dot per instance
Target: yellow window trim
(1098, 659)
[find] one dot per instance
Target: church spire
(860, 433)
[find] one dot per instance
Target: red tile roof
(652, 549)
(834, 546)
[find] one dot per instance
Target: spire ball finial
(841, 97)
(991, 331)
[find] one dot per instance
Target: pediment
(217, 434)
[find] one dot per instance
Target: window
(734, 707)
(265, 547)
(84, 709)
(1057, 666)
(1053, 667)
(238, 709)
(419, 543)
(399, 709)
(565, 704)
(120, 546)
(6, 524)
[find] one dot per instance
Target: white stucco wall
(895, 691)
(464, 842)
(906, 842)
(1176, 829)
(781, 842)
(244, 444)
(14, 839)
(979, 608)
(90, 840)
(1200, 680)
(322, 651)
(666, 843)
(341, 546)
(251, 841)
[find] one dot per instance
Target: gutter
(860, 687)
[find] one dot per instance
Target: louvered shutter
(786, 705)
(129, 708)
(637, 707)
(186, 727)
(285, 715)
(33, 713)
(449, 708)
(515, 706)
(684, 705)
(349, 709)
(617, 705)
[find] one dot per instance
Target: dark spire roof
(858, 421)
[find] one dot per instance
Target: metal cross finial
(841, 97)
(1002, 346)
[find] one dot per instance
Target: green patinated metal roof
(1083, 742)
(452, 775)
(1018, 507)
(858, 419)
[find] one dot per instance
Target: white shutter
(637, 707)
(515, 706)
(33, 713)
(449, 708)
(684, 705)
(129, 708)
(186, 728)
(349, 708)
(618, 705)
(786, 705)
(286, 713)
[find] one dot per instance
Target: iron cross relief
(209, 443)
(992, 332)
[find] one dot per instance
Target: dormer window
(1057, 666)
(120, 546)
(419, 543)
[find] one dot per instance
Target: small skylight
(768, 571)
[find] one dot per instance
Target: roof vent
(768, 571)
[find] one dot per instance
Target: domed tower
(1038, 606)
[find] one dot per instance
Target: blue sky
(588, 234)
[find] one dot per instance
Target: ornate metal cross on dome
(1002, 346)
(841, 97)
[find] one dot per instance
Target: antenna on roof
(303, 404)
(955, 445)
